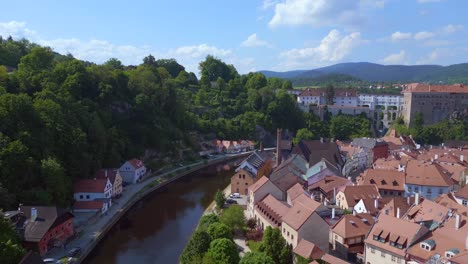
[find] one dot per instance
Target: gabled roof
(295, 191)
(445, 238)
(328, 183)
(393, 229)
(427, 174)
(308, 250)
(448, 200)
(274, 207)
(47, 217)
(367, 143)
(462, 193)
(303, 207)
(383, 179)
(259, 183)
(330, 259)
(353, 225)
(136, 163)
(258, 158)
(107, 173)
(461, 258)
(314, 150)
(391, 207)
(289, 173)
(320, 166)
(90, 186)
(354, 193)
(427, 210)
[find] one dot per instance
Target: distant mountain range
(373, 72)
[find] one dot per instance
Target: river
(158, 227)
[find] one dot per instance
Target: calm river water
(157, 228)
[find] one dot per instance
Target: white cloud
(428, 1)
(200, 51)
(396, 58)
(317, 12)
(443, 56)
(332, 48)
(254, 41)
(269, 3)
(398, 36)
(450, 29)
(422, 35)
(16, 29)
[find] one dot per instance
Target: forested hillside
(63, 119)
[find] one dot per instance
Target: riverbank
(92, 234)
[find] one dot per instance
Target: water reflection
(156, 229)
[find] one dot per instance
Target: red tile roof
(88, 205)
(136, 163)
(107, 173)
(354, 193)
(328, 183)
(353, 225)
(427, 174)
(427, 210)
(429, 88)
(308, 250)
(303, 207)
(463, 192)
(295, 191)
(333, 260)
(384, 179)
(259, 183)
(90, 186)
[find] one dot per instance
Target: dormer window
(450, 253)
(428, 244)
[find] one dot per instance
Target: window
(288, 233)
(372, 250)
(441, 191)
(284, 229)
(292, 236)
(465, 202)
(393, 258)
(398, 260)
(81, 196)
(416, 189)
(243, 176)
(409, 189)
(87, 196)
(382, 254)
(246, 183)
(239, 176)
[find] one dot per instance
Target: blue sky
(251, 34)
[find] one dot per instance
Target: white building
(132, 171)
(386, 100)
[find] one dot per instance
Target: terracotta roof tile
(97, 204)
(462, 193)
(428, 88)
(295, 191)
(107, 173)
(427, 210)
(308, 250)
(354, 193)
(427, 174)
(328, 183)
(396, 228)
(90, 186)
(272, 207)
(136, 163)
(303, 207)
(383, 179)
(259, 183)
(333, 260)
(353, 225)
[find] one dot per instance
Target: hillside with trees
(63, 119)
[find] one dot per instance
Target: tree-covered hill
(62, 118)
(384, 73)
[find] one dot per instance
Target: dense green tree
(196, 248)
(303, 134)
(34, 68)
(114, 63)
(207, 220)
(256, 258)
(274, 246)
(219, 230)
(233, 217)
(11, 250)
(220, 199)
(213, 68)
(57, 184)
(222, 251)
(171, 65)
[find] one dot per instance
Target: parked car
(49, 260)
(231, 201)
(74, 252)
(235, 195)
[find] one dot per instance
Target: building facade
(434, 102)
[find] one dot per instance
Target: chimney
(333, 213)
(376, 204)
(462, 157)
(278, 148)
(436, 156)
(33, 214)
(261, 146)
(457, 221)
(334, 193)
(398, 212)
(408, 200)
(416, 199)
(325, 203)
(105, 173)
(354, 212)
